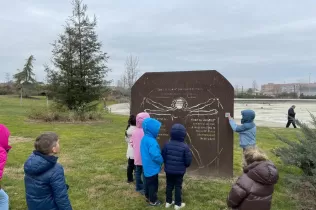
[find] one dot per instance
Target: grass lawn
(93, 156)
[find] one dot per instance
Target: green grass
(93, 156)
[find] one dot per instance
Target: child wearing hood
(247, 130)
(177, 157)
(151, 159)
(4, 149)
(135, 140)
(254, 189)
(44, 178)
(130, 152)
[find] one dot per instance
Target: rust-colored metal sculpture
(199, 101)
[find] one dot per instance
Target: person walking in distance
(291, 117)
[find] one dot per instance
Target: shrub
(302, 154)
(59, 113)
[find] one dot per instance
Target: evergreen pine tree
(26, 75)
(80, 64)
(25, 80)
(302, 151)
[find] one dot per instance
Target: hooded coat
(137, 136)
(45, 184)
(129, 133)
(254, 189)
(4, 147)
(176, 154)
(247, 130)
(149, 148)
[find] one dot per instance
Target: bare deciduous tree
(254, 86)
(236, 90)
(131, 71)
(119, 83)
(7, 77)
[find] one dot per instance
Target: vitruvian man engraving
(179, 108)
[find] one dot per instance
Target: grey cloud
(244, 40)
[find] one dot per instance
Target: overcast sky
(245, 40)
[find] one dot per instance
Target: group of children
(46, 188)
(144, 154)
(253, 190)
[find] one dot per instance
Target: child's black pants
(174, 182)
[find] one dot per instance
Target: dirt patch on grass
(305, 194)
(117, 190)
(14, 173)
(104, 177)
(219, 202)
(211, 179)
(65, 159)
(19, 139)
(88, 122)
(130, 194)
(96, 191)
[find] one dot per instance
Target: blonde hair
(254, 155)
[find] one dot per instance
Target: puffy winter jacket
(254, 189)
(176, 154)
(137, 136)
(4, 147)
(130, 151)
(149, 148)
(45, 183)
(247, 131)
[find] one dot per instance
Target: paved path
(267, 115)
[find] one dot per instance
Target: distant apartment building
(271, 89)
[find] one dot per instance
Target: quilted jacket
(254, 189)
(176, 154)
(4, 148)
(45, 183)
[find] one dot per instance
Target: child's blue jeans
(139, 178)
(151, 188)
(4, 200)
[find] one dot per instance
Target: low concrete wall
(272, 100)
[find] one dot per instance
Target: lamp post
(309, 84)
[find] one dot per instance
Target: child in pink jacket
(4, 149)
(137, 136)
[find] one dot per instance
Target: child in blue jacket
(44, 179)
(151, 159)
(247, 130)
(177, 157)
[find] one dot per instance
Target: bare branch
(131, 71)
